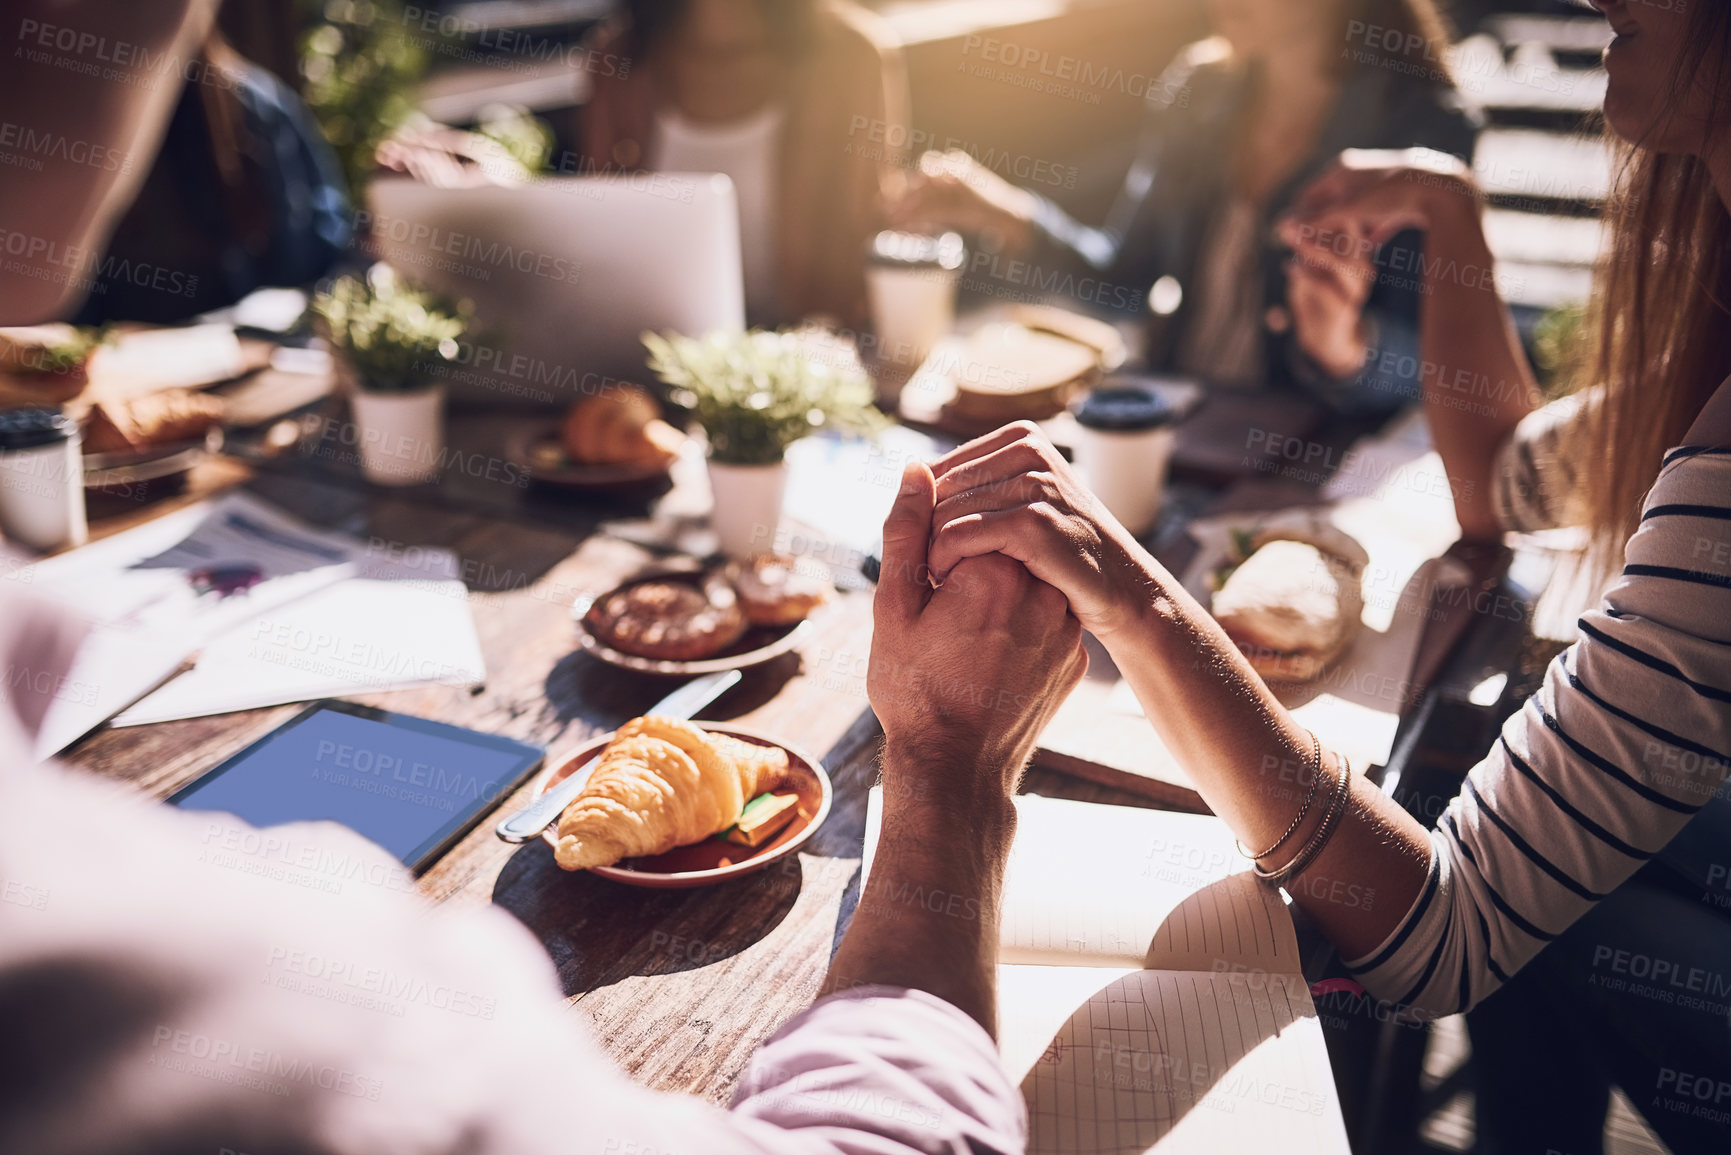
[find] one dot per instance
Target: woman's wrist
(1139, 593)
(1453, 211)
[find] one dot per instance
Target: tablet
(412, 786)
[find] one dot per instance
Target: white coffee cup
(1123, 450)
(41, 479)
(911, 283)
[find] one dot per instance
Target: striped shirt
(1628, 737)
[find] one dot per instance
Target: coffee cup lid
(942, 252)
(33, 426)
(1125, 409)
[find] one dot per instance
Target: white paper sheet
(388, 627)
(227, 577)
(157, 594)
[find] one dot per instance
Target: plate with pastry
(1289, 593)
(612, 438)
(690, 622)
(670, 804)
(149, 437)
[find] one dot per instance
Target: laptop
(566, 273)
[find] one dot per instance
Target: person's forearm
(928, 918)
(1253, 763)
(1477, 382)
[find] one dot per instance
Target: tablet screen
(410, 785)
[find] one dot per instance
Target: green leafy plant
(361, 66)
(758, 392)
(395, 336)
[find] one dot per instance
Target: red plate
(714, 859)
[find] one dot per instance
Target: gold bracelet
(1324, 831)
(1303, 809)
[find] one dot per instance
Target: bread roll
(619, 425)
(774, 592)
(43, 364)
(156, 419)
(1292, 608)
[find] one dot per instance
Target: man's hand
(1011, 492)
(963, 680)
(965, 677)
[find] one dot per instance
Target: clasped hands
(994, 561)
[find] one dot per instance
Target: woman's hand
(1326, 293)
(950, 190)
(1369, 195)
(1465, 331)
(1011, 492)
(1336, 225)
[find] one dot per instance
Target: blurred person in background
(1236, 125)
(243, 194)
(1574, 895)
(769, 92)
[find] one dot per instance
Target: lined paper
(1121, 886)
(1188, 1062)
(1150, 994)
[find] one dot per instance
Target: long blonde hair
(1659, 322)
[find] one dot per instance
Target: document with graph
(1150, 993)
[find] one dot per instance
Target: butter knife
(684, 702)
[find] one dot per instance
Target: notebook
(1150, 996)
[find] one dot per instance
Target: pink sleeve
(883, 1069)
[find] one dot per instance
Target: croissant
(620, 425)
(662, 783)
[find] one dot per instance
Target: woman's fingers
(975, 535)
(992, 468)
(1342, 277)
(1027, 533)
(1339, 184)
(1018, 489)
(980, 446)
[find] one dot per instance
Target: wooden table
(681, 986)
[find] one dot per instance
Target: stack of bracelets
(1324, 831)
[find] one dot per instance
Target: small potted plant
(391, 341)
(754, 394)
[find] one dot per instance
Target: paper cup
(41, 479)
(1123, 451)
